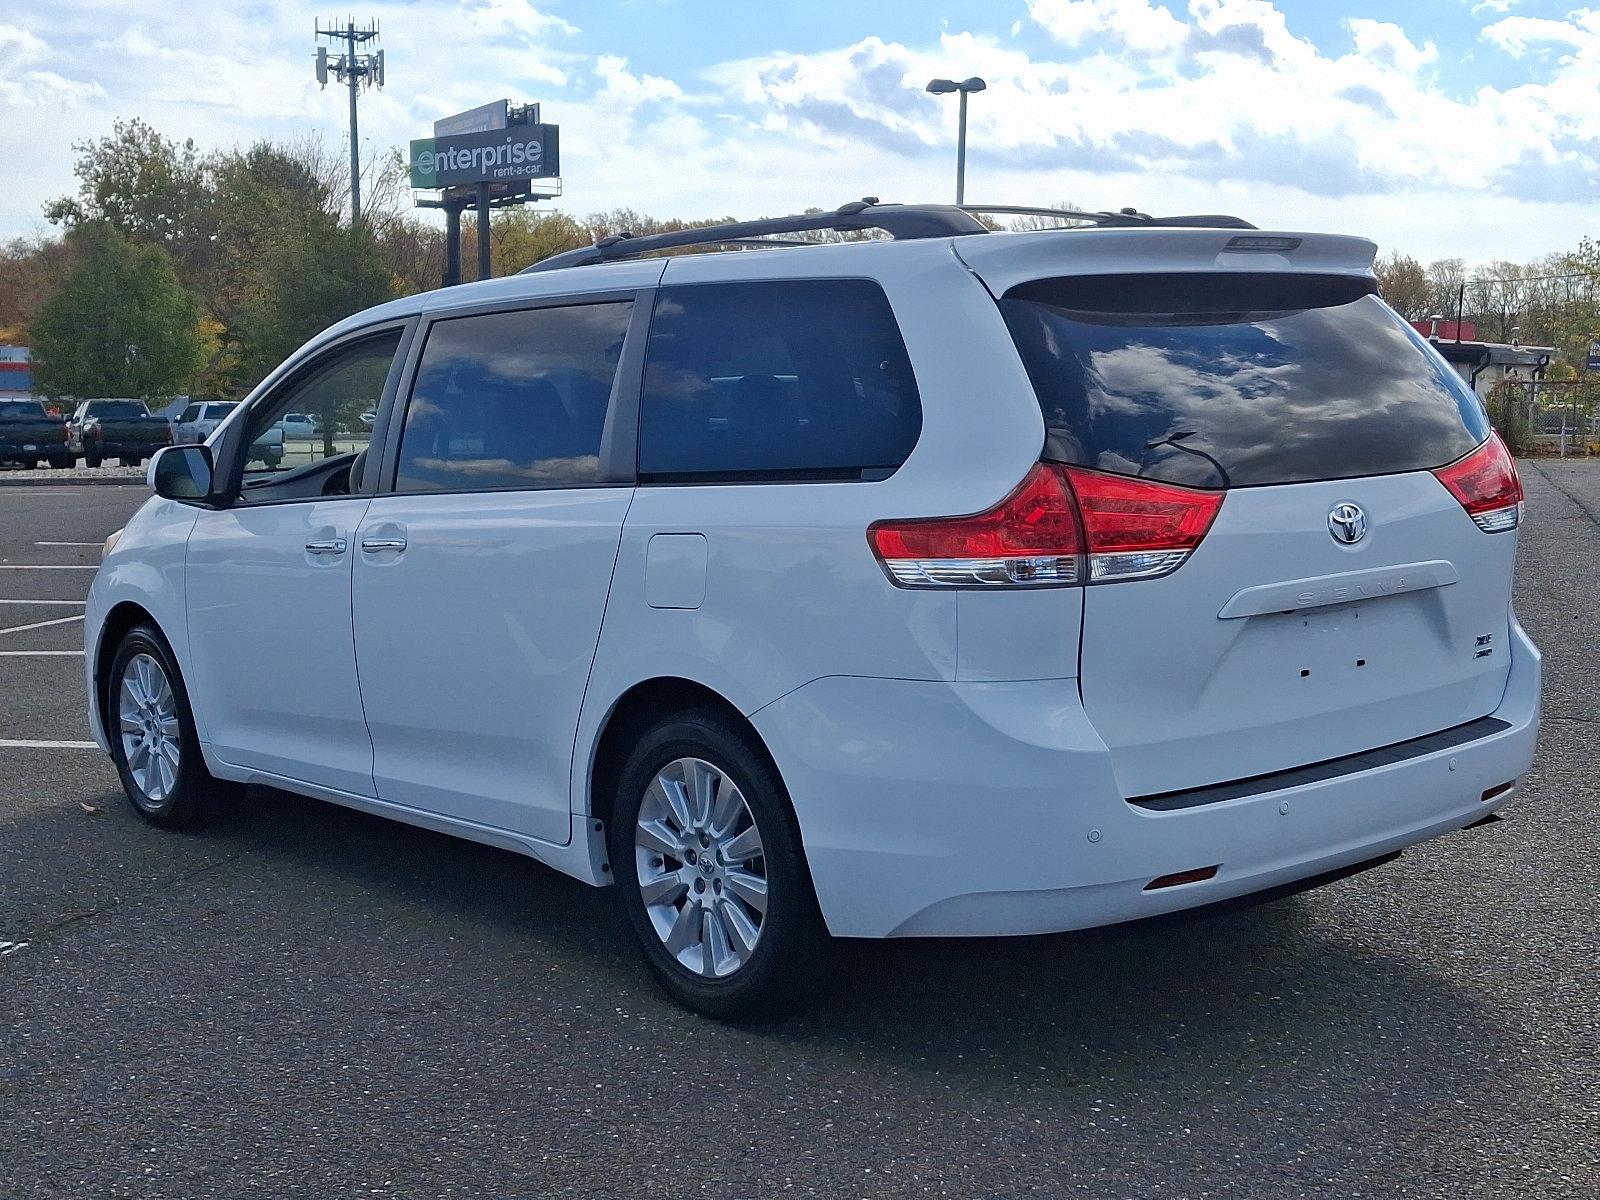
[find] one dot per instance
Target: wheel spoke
(131, 703)
(742, 932)
(658, 837)
(664, 890)
(745, 847)
(130, 723)
(169, 728)
(166, 775)
(703, 781)
(677, 800)
(752, 889)
(137, 756)
(713, 938)
(730, 804)
(685, 930)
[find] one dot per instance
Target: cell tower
(355, 71)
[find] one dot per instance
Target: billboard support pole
(452, 245)
(483, 231)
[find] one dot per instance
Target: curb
(53, 481)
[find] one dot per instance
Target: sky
(1444, 128)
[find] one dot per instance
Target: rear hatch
(1343, 598)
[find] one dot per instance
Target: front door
(481, 572)
(272, 670)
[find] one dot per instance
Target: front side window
(335, 386)
(512, 400)
(789, 380)
(190, 413)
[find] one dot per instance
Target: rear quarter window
(783, 380)
(1234, 380)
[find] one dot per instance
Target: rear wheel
(63, 462)
(90, 459)
(709, 864)
(153, 740)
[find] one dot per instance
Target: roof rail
(897, 220)
(1127, 218)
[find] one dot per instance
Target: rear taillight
(1031, 537)
(66, 434)
(1486, 484)
(1137, 529)
(1062, 525)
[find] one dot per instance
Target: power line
(356, 71)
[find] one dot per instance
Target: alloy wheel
(147, 710)
(701, 867)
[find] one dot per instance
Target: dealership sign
(475, 120)
(492, 156)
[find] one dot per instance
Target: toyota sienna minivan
(953, 583)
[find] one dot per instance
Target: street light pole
(941, 87)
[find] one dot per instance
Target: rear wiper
(1176, 439)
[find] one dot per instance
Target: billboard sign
(1593, 363)
(475, 120)
(495, 156)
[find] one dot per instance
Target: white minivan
(952, 583)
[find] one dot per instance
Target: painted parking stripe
(42, 624)
(99, 543)
(41, 653)
(79, 603)
(23, 744)
(48, 567)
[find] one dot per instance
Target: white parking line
(48, 567)
(99, 543)
(20, 744)
(79, 603)
(41, 624)
(40, 653)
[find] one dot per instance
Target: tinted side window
(800, 379)
(512, 400)
(189, 413)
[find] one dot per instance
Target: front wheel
(63, 463)
(91, 460)
(711, 871)
(152, 733)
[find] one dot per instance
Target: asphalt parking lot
(307, 1001)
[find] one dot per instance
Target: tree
(147, 186)
(308, 283)
(121, 324)
(1445, 277)
(1403, 283)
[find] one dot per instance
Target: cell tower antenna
(356, 71)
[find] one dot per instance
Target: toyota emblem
(1347, 523)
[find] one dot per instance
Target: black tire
(789, 956)
(63, 463)
(195, 794)
(91, 460)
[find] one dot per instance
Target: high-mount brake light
(1062, 525)
(1486, 484)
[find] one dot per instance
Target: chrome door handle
(331, 546)
(373, 545)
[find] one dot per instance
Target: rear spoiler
(1004, 260)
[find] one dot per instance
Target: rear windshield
(1234, 380)
(22, 410)
(117, 408)
(215, 412)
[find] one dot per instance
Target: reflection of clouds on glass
(1319, 393)
(502, 472)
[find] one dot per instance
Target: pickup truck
(197, 422)
(29, 434)
(115, 428)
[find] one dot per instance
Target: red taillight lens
(66, 434)
(1062, 525)
(1486, 484)
(1030, 537)
(1137, 529)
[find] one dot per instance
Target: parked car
(29, 434)
(116, 428)
(367, 418)
(301, 426)
(199, 421)
(965, 583)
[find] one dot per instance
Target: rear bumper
(935, 809)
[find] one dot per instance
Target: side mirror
(181, 472)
